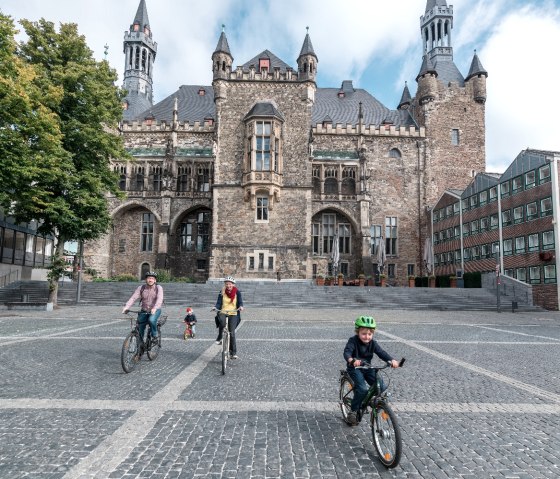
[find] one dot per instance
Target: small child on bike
(361, 348)
(190, 321)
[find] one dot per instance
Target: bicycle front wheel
(129, 353)
(386, 435)
(225, 350)
(346, 396)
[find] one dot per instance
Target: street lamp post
(497, 251)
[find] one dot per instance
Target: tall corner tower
(449, 106)
(307, 60)
(140, 53)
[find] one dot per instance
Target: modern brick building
(264, 170)
(509, 221)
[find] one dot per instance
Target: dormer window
(146, 31)
(264, 63)
(149, 120)
(201, 92)
(340, 94)
(209, 120)
(136, 27)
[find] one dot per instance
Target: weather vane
(106, 47)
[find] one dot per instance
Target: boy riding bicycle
(361, 348)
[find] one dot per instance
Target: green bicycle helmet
(365, 322)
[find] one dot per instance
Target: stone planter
(340, 280)
(320, 281)
(383, 282)
(362, 281)
(411, 282)
(432, 282)
(452, 282)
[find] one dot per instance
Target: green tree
(88, 111)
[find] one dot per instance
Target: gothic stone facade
(259, 173)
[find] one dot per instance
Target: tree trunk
(53, 278)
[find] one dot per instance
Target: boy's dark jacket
(190, 319)
(358, 350)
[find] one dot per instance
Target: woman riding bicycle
(361, 348)
(151, 299)
(229, 303)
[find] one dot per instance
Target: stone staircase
(286, 294)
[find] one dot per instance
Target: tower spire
(140, 53)
(307, 59)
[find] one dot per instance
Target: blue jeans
(361, 379)
(144, 318)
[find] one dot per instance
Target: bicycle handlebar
(366, 365)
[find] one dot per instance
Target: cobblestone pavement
(479, 397)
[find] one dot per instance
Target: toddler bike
(383, 421)
(134, 346)
(188, 332)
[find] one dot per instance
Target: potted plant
(452, 281)
(383, 279)
(370, 281)
(320, 280)
(362, 279)
(329, 280)
(411, 279)
(432, 281)
(340, 278)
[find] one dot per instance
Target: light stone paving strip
(240, 406)
(512, 382)
(517, 332)
(116, 448)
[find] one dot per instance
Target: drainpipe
(461, 233)
(556, 219)
(500, 232)
(420, 256)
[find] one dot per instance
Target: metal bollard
(514, 306)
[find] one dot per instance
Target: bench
(31, 306)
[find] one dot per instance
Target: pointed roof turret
(427, 67)
(223, 45)
(435, 3)
(406, 99)
(141, 17)
(307, 47)
(476, 68)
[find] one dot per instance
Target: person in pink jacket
(151, 299)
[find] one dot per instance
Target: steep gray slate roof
(307, 47)
(141, 17)
(476, 67)
(223, 45)
(274, 62)
(448, 72)
(191, 106)
(406, 99)
(435, 3)
(328, 106)
(264, 109)
(137, 103)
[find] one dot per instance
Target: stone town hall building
(258, 172)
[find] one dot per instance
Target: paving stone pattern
(479, 397)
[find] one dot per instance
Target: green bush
(124, 277)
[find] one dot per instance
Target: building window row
(516, 215)
(534, 274)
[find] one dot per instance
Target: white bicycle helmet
(230, 279)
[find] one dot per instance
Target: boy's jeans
(144, 318)
(361, 378)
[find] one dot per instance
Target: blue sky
(374, 43)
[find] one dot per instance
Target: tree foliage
(58, 131)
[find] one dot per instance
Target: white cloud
(521, 110)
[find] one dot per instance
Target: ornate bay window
(262, 166)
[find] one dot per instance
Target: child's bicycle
(134, 345)
(188, 332)
(383, 421)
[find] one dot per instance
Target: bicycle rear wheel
(346, 396)
(386, 435)
(225, 350)
(154, 347)
(129, 353)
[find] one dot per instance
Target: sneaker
(192, 335)
(234, 356)
(352, 418)
(218, 342)
(155, 341)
